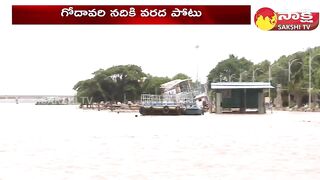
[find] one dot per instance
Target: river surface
(67, 143)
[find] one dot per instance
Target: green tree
(113, 84)
(261, 71)
(121, 81)
(151, 84)
(231, 69)
(299, 78)
(180, 76)
(88, 92)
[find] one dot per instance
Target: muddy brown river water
(66, 143)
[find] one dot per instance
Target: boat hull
(165, 110)
(193, 112)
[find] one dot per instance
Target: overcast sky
(50, 59)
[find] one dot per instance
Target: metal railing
(180, 99)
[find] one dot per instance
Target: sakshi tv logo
(268, 20)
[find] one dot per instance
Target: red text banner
(131, 14)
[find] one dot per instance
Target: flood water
(66, 143)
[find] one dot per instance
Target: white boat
(177, 98)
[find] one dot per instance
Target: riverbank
(300, 109)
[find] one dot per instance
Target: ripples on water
(64, 142)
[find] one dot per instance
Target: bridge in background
(35, 96)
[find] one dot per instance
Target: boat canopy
(171, 84)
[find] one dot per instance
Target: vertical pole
(310, 60)
(289, 69)
(197, 73)
(261, 108)
(218, 102)
(245, 100)
(269, 83)
(253, 75)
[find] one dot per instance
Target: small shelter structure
(243, 96)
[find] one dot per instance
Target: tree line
(119, 84)
(234, 69)
(128, 82)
